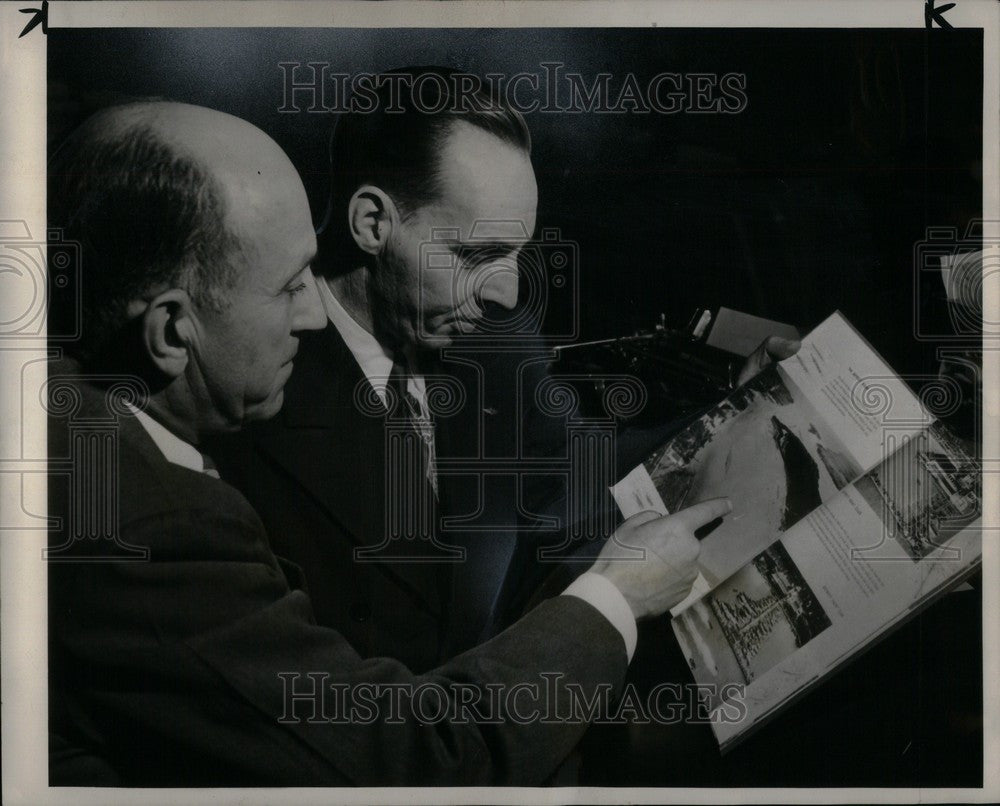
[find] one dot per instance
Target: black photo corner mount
(41, 16)
(936, 14)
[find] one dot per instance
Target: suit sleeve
(202, 667)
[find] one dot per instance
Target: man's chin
(266, 409)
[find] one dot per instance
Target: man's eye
(296, 289)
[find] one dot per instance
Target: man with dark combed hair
(430, 151)
(426, 157)
(182, 650)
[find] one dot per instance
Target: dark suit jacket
(316, 474)
(167, 668)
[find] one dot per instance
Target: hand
(664, 576)
(773, 348)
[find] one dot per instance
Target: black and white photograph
(327, 328)
(765, 446)
(925, 492)
(753, 620)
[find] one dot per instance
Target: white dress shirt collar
(174, 449)
(374, 359)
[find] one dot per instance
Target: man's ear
(371, 215)
(169, 328)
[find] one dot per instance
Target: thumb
(781, 348)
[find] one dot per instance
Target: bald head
(246, 166)
(164, 194)
(231, 148)
(196, 243)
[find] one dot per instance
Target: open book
(852, 509)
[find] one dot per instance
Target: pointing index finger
(697, 515)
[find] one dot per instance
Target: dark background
(814, 198)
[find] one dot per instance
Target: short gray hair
(145, 215)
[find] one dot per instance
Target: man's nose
(499, 284)
(309, 313)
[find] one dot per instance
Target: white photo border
(22, 197)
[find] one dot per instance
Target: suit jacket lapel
(332, 423)
(475, 584)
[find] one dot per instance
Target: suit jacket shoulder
(199, 665)
(317, 475)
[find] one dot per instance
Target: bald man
(182, 650)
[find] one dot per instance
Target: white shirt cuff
(601, 593)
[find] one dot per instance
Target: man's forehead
(488, 186)
(275, 231)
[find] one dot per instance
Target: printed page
(848, 572)
(852, 390)
(779, 446)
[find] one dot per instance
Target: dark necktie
(408, 409)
